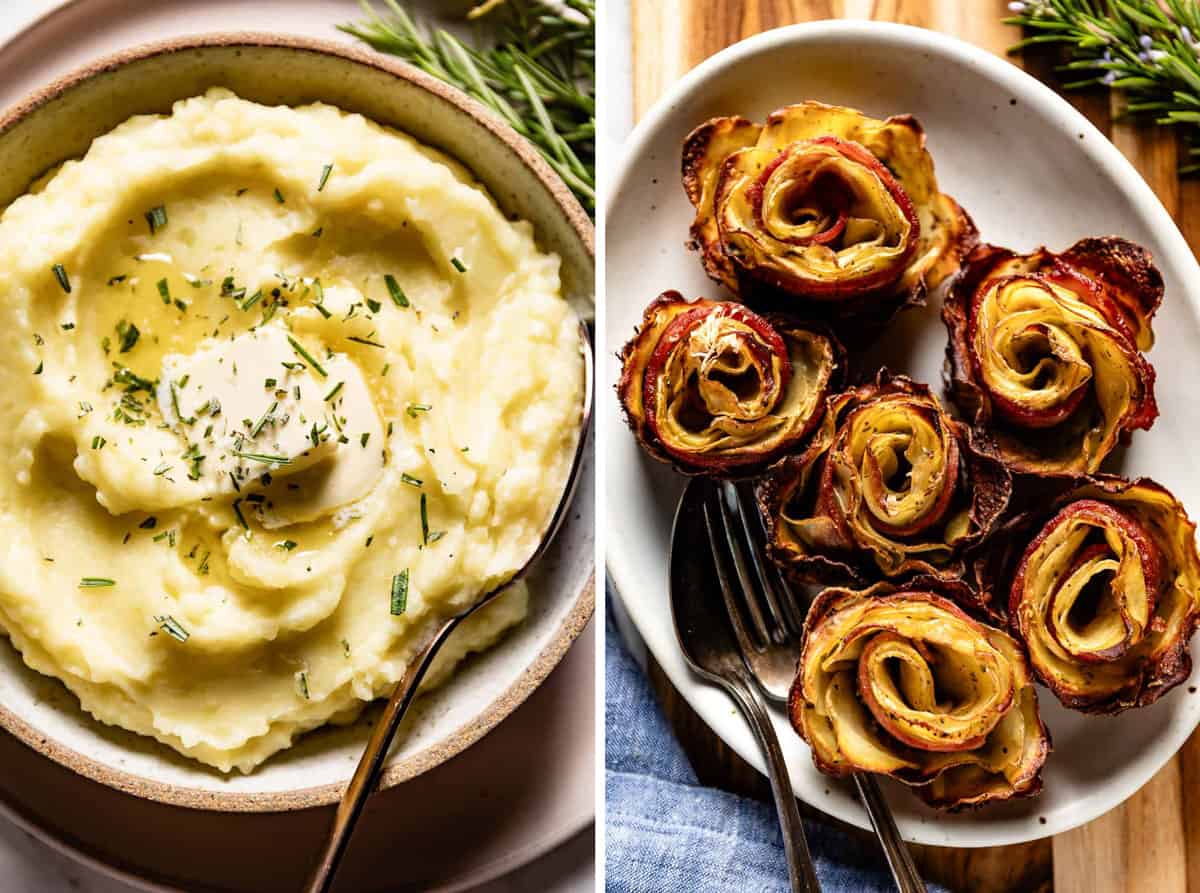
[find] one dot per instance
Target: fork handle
(899, 859)
(801, 871)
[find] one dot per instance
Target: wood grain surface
(1152, 842)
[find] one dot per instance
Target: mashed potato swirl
(181, 583)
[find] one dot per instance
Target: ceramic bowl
(59, 122)
(1031, 171)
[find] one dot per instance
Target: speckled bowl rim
(584, 601)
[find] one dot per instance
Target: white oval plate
(1030, 170)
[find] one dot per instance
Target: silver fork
(768, 625)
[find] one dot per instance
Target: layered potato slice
(901, 682)
(890, 484)
(1045, 351)
(834, 214)
(714, 388)
(1104, 591)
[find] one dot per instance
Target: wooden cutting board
(1152, 842)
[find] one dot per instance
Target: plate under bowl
(59, 122)
(1030, 170)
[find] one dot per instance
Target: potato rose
(835, 213)
(1045, 351)
(1104, 591)
(890, 484)
(717, 389)
(902, 682)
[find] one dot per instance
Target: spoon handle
(370, 766)
(801, 871)
(899, 859)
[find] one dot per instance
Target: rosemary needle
(538, 73)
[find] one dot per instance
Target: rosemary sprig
(538, 73)
(1148, 48)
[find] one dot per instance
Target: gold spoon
(370, 766)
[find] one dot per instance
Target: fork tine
(783, 608)
(720, 559)
(771, 632)
(796, 607)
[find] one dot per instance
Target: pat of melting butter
(256, 403)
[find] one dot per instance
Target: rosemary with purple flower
(1150, 49)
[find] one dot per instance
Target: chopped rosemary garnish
(366, 435)
(305, 355)
(266, 417)
(96, 582)
(162, 469)
(38, 370)
(325, 172)
(414, 408)
(316, 234)
(262, 457)
(367, 341)
(374, 305)
(172, 627)
(337, 388)
(400, 593)
(237, 510)
(345, 648)
(128, 333)
(117, 280)
(252, 300)
(424, 520)
(321, 310)
(302, 683)
(394, 289)
(164, 291)
(279, 196)
(149, 524)
(98, 442)
(157, 218)
(230, 289)
(286, 545)
(406, 478)
(67, 326)
(458, 265)
(60, 273)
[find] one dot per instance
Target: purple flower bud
(1109, 78)
(1146, 41)
(1156, 55)
(1186, 33)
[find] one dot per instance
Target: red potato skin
(1002, 568)
(1113, 275)
(637, 388)
(948, 595)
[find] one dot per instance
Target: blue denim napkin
(667, 834)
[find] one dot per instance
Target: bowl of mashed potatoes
(292, 372)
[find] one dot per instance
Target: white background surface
(29, 866)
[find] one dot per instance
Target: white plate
(1030, 170)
